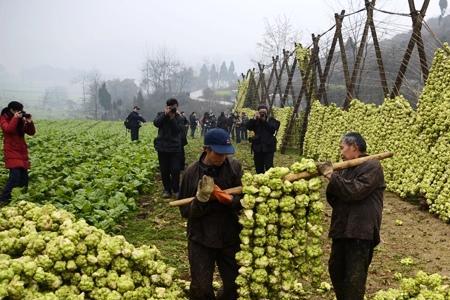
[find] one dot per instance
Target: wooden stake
(417, 27)
(384, 85)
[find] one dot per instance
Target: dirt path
(421, 236)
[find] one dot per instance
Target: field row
(89, 168)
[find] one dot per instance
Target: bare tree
(94, 79)
(279, 34)
(83, 80)
(159, 70)
(55, 98)
(181, 80)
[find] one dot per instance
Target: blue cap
(219, 141)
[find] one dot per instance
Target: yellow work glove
(204, 188)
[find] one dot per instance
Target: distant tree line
(162, 76)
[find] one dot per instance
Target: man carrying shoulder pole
(356, 197)
(213, 226)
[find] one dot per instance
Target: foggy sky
(114, 36)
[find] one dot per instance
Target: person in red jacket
(15, 123)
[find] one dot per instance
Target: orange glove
(221, 196)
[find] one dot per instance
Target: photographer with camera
(133, 122)
(264, 143)
(169, 144)
(15, 124)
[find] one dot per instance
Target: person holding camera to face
(264, 142)
(169, 144)
(15, 123)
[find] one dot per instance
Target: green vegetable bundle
(281, 251)
(47, 254)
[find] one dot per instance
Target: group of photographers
(235, 124)
(172, 137)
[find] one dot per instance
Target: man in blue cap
(213, 226)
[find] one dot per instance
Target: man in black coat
(244, 121)
(356, 196)
(134, 121)
(264, 143)
(169, 145)
(222, 121)
(230, 125)
(213, 223)
(193, 121)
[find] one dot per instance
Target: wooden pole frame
(417, 27)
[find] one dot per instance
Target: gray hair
(355, 138)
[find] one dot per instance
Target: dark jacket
(212, 224)
(185, 123)
(222, 122)
(244, 121)
(135, 119)
(230, 121)
(264, 139)
(170, 133)
(356, 196)
(193, 121)
(15, 150)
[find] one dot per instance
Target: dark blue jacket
(134, 120)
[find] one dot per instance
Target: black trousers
(169, 166)
(244, 134)
(202, 262)
(238, 134)
(134, 133)
(193, 128)
(263, 161)
(18, 177)
(182, 159)
(348, 266)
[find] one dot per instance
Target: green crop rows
(88, 168)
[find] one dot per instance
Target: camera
(173, 109)
(25, 115)
(262, 115)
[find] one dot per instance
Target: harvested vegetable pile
(47, 254)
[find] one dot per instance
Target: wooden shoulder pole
(294, 177)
